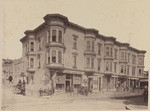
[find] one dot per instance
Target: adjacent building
(61, 54)
(12, 70)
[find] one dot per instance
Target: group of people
(21, 87)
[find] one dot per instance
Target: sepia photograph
(74, 55)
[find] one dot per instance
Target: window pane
(32, 46)
(60, 36)
(53, 35)
(59, 57)
(88, 62)
(31, 62)
(88, 45)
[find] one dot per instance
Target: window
(88, 45)
(125, 56)
(92, 62)
(125, 69)
(140, 71)
(107, 66)
(140, 61)
(122, 55)
(133, 70)
(32, 46)
(115, 67)
(53, 35)
(108, 79)
(93, 46)
(31, 63)
(111, 52)
(26, 48)
(99, 65)
(133, 59)
(59, 57)
(128, 70)
(99, 49)
(121, 69)
(48, 57)
(39, 43)
(107, 51)
(60, 36)
(74, 43)
(54, 56)
(110, 66)
(75, 61)
(128, 57)
(88, 62)
(48, 36)
(115, 53)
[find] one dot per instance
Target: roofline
(85, 30)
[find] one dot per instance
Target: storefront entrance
(69, 82)
(90, 84)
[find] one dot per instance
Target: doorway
(67, 86)
(90, 84)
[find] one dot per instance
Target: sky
(126, 20)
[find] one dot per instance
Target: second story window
(54, 56)
(133, 70)
(99, 49)
(59, 57)
(128, 67)
(53, 35)
(88, 62)
(115, 67)
(32, 46)
(74, 43)
(140, 71)
(107, 66)
(60, 36)
(115, 56)
(110, 66)
(88, 45)
(107, 51)
(99, 65)
(121, 71)
(31, 62)
(92, 63)
(48, 57)
(93, 46)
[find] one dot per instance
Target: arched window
(54, 56)
(53, 35)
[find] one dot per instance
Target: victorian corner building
(61, 54)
